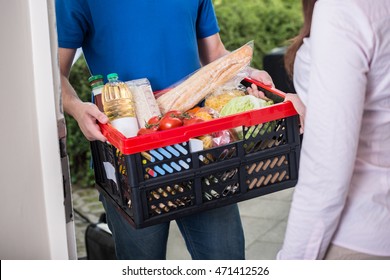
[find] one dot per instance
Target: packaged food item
(220, 98)
(145, 102)
(221, 138)
(195, 145)
(118, 105)
(206, 113)
(207, 141)
(200, 84)
(96, 82)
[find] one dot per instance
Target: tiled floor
(264, 220)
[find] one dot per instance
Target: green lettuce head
(242, 104)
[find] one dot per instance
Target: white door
(35, 202)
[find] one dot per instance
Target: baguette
(204, 81)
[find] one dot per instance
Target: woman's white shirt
(343, 77)
(302, 70)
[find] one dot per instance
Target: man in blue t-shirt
(163, 41)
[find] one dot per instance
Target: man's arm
(211, 48)
(85, 113)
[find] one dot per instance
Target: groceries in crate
(217, 139)
(221, 97)
(133, 99)
(216, 86)
(205, 113)
(232, 102)
(241, 104)
(192, 119)
(169, 120)
(206, 80)
(207, 141)
(119, 106)
(147, 130)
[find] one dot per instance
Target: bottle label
(128, 126)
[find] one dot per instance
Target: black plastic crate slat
(268, 171)
(168, 197)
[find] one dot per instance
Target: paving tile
(262, 207)
(285, 195)
(255, 228)
(176, 248)
(275, 234)
(263, 251)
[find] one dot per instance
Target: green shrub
(270, 23)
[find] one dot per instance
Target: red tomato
(192, 120)
(168, 122)
(154, 120)
(147, 130)
(174, 113)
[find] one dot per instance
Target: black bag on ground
(99, 243)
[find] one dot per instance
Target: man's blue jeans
(211, 235)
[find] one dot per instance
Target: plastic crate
(155, 178)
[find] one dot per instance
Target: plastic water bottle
(97, 84)
(118, 105)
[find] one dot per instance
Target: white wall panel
(31, 200)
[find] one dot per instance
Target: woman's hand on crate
(253, 90)
(261, 76)
(299, 107)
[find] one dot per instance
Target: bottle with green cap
(97, 84)
(118, 105)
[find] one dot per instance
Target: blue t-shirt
(154, 39)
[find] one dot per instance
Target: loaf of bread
(204, 81)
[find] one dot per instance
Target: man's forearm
(70, 99)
